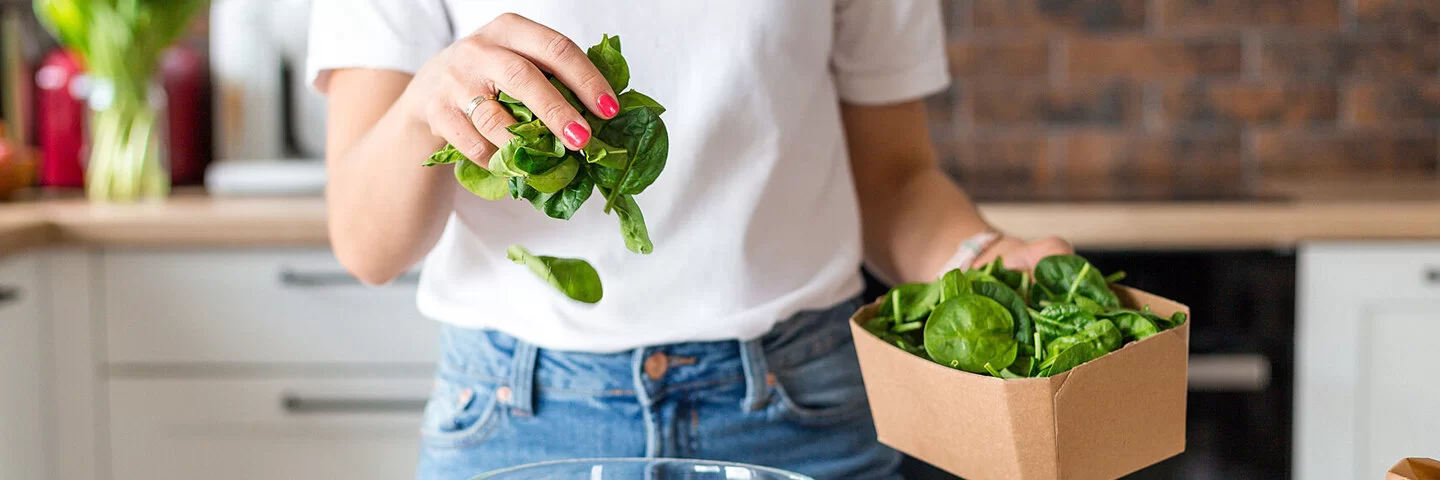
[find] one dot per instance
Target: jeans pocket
(459, 415)
(823, 391)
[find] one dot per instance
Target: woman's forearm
(385, 210)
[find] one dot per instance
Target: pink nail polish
(576, 135)
(608, 106)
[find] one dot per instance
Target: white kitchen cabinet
(1367, 367)
(270, 306)
(22, 370)
(244, 428)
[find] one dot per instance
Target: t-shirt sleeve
(888, 51)
(395, 35)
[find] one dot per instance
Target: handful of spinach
(624, 156)
(996, 321)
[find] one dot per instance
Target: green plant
(625, 155)
(575, 278)
(995, 321)
(120, 43)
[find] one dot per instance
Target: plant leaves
(641, 133)
(631, 100)
(1062, 274)
(605, 155)
(969, 331)
(573, 277)
(1002, 294)
(607, 59)
(916, 301)
(521, 113)
(953, 284)
(632, 225)
(562, 204)
(445, 155)
(556, 178)
(480, 181)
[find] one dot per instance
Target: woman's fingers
(557, 54)
(519, 78)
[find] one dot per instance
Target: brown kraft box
(1415, 468)
(1101, 420)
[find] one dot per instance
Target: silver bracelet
(969, 250)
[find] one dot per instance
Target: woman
(792, 126)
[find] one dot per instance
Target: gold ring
(475, 103)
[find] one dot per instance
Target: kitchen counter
(1282, 215)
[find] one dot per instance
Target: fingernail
(608, 106)
(576, 135)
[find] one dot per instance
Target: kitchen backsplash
(1188, 92)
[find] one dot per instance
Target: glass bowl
(641, 469)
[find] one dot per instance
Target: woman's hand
(508, 54)
(1022, 255)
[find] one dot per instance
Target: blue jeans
(792, 399)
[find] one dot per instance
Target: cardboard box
(1103, 419)
(1415, 469)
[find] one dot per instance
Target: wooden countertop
(1351, 210)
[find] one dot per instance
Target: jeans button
(655, 366)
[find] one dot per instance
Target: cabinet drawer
(271, 306)
(1392, 270)
(173, 429)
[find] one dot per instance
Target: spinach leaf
(1069, 358)
(556, 178)
(641, 133)
(606, 155)
(607, 59)
(562, 204)
(446, 155)
(573, 277)
(520, 112)
(952, 284)
(915, 300)
(1002, 294)
(1133, 324)
(969, 331)
(1072, 275)
(480, 181)
(631, 100)
(632, 225)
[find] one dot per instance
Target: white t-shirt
(755, 217)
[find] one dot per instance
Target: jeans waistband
(487, 356)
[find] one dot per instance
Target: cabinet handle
(9, 294)
(1432, 275)
(294, 404)
(301, 279)
(1229, 373)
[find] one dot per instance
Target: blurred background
(1271, 163)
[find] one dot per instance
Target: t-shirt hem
(895, 87)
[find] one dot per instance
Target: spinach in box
(995, 321)
(626, 154)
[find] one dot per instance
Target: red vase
(60, 120)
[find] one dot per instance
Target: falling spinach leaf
(969, 331)
(573, 277)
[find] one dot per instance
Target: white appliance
(267, 126)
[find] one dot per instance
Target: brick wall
(1188, 92)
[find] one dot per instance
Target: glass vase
(126, 140)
